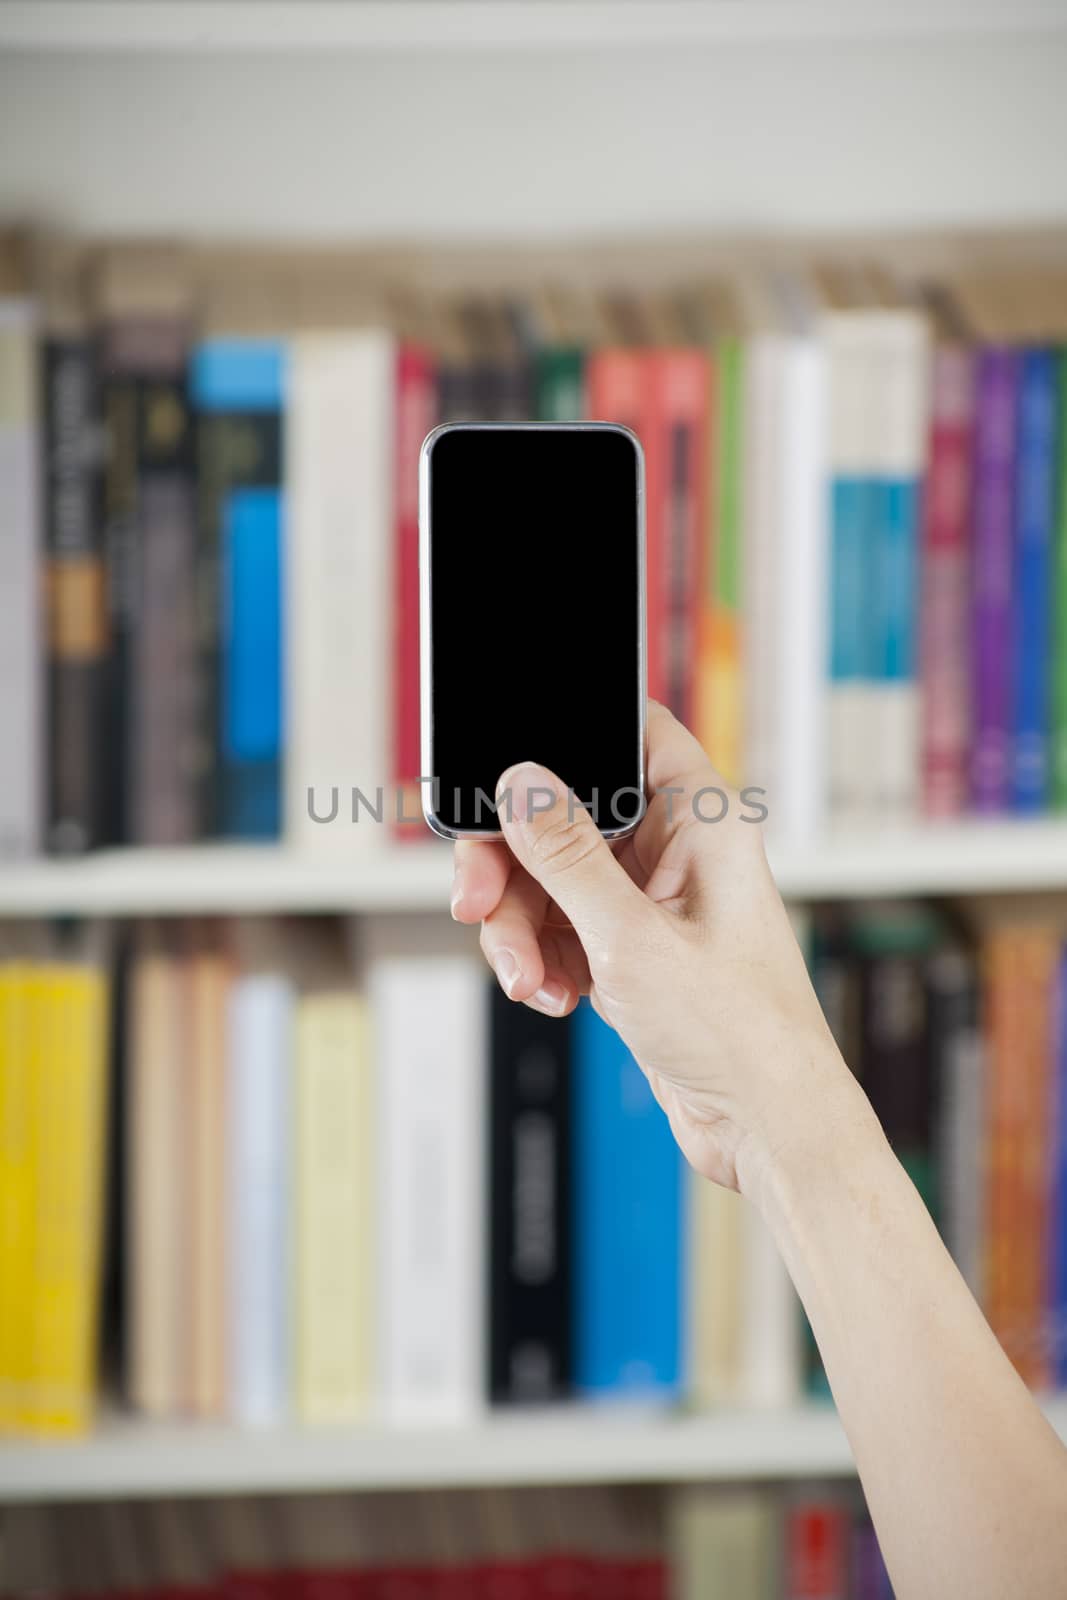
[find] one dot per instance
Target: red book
(816, 1552)
(621, 387)
(945, 588)
(681, 393)
(416, 414)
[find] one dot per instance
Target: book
(1035, 468)
(725, 1542)
(158, 1172)
(415, 417)
(259, 1111)
(629, 1240)
(898, 422)
(958, 1070)
(340, 449)
(208, 977)
(722, 726)
(21, 628)
(529, 1261)
(428, 1019)
(992, 586)
(945, 586)
(77, 706)
(816, 1550)
(334, 1185)
(140, 298)
(238, 387)
(1057, 1300)
(66, 1064)
(1058, 735)
(681, 381)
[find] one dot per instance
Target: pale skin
(680, 940)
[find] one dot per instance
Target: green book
(559, 384)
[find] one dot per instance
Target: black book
(529, 1211)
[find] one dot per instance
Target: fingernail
(507, 970)
(453, 904)
(551, 997)
(525, 790)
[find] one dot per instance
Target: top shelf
(952, 859)
(318, 26)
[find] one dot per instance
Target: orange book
(622, 386)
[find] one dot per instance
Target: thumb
(552, 835)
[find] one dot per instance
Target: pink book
(946, 586)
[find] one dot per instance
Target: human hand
(680, 939)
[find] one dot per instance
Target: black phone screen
(535, 576)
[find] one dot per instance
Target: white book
(850, 472)
(260, 1025)
(339, 596)
(428, 1018)
(20, 584)
(770, 1320)
(761, 528)
(900, 405)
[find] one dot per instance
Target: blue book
(238, 389)
(852, 553)
(1058, 1187)
(628, 1218)
(1035, 498)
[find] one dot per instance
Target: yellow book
(333, 1257)
(16, 1191)
(68, 1057)
(715, 1333)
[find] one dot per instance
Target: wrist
(822, 1126)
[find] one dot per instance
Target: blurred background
(319, 1262)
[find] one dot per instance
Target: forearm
(966, 1481)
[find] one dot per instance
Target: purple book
(868, 1579)
(994, 477)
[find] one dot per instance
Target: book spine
(68, 1210)
(762, 484)
(896, 1059)
(238, 388)
(1058, 1165)
(339, 466)
(529, 1210)
(803, 556)
(1034, 512)
(1058, 738)
(160, 695)
(957, 1065)
(333, 1290)
(681, 381)
(75, 583)
(714, 1276)
(995, 429)
(852, 546)
(208, 1266)
(1032, 1069)
(429, 1025)
(559, 384)
(1005, 1135)
(415, 415)
(16, 1186)
(945, 585)
(629, 1240)
(258, 1114)
(723, 715)
(816, 1552)
(154, 1216)
(899, 405)
(20, 633)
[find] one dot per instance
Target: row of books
(857, 528)
(807, 1543)
(357, 1182)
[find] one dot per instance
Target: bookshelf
(315, 25)
(969, 858)
(133, 1459)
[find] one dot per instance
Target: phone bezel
(433, 821)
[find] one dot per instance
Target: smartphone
(532, 624)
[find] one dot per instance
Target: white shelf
(317, 26)
(960, 859)
(126, 1458)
